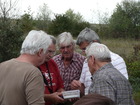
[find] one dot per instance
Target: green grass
(137, 98)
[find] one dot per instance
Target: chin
(47, 60)
(40, 63)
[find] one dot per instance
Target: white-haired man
(52, 80)
(106, 80)
(69, 62)
(21, 82)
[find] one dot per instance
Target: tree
(26, 23)
(77, 17)
(43, 18)
(10, 33)
(60, 24)
(6, 8)
(125, 21)
(70, 22)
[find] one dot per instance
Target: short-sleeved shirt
(117, 62)
(109, 82)
(20, 84)
(52, 76)
(71, 72)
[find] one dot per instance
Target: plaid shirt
(109, 82)
(73, 71)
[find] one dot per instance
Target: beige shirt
(20, 84)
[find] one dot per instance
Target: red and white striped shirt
(73, 71)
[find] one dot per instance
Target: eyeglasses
(68, 47)
(51, 52)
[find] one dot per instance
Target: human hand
(75, 84)
(54, 98)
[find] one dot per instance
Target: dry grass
(122, 47)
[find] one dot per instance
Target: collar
(109, 65)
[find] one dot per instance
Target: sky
(89, 9)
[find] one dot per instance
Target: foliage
(10, 42)
(133, 65)
(26, 22)
(137, 98)
(73, 16)
(43, 18)
(60, 24)
(10, 32)
(134, 78)
(125, 21)
(69, 22)
(103, 31)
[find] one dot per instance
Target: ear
(93, 59)
(40, 52)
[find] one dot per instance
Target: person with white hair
(52, 80)
(85, 37)
(106, 80)
(69, 62)
(21, 82)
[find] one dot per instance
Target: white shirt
(116, 61)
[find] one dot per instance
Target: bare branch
(6, 6)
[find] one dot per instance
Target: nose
(83, 52)
(51, 54)
(65, 49)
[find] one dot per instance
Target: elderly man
(106, 80)
(69, 62)
(21, 82)
(52, 79)
(86, 37)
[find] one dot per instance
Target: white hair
(65, 38)
(99, 51)
(34, 41)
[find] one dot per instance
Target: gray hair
(87, 35)
(65, 38)
(34, 41)
(53, 39)
(99, 51)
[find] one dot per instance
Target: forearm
(82, 90)
(48, 97)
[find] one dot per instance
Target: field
(130, 50)
(122, 47)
